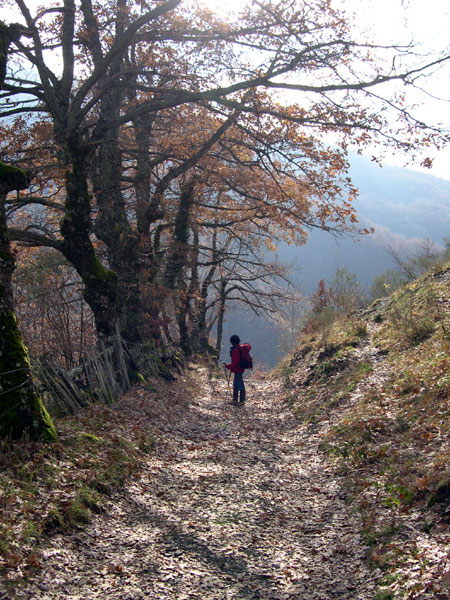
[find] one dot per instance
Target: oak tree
(128, 74)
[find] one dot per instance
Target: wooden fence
(100, 377)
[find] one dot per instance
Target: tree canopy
(157, 131)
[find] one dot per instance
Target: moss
(12, 178)
(78, 514)
(104, 275)
(147, 442)
(140, 377)
(90, 437)
(45, 429)
(89, 498)
(21, 408)
(441, 494)
(53, 522)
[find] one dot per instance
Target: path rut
(235, 503)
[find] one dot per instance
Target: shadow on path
(235, 504)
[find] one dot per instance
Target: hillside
(332, 480)
(404, 206)
(375, 388)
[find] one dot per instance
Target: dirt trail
(236, 503)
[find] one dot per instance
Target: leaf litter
(233, 503)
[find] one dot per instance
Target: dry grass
(387, 428)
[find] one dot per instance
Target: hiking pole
(228, 376)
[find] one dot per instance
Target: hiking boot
(235, 397)
(242, 396)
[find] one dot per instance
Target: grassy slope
(376, 388)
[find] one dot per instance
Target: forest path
(235, 503)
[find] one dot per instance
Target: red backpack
(246, 361)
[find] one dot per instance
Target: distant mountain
(404, 206)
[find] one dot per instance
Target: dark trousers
(238, 388)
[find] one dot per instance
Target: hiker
(237, 366)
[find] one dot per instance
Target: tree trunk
(100, 283)
(220, 318)
(182, 319)
(178, 258)
(113, 229)
(199, 294)
(200, 332)
(112, 225)
(21, 408)
(148, 211)
(178, 253)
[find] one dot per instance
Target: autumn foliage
(167, 163)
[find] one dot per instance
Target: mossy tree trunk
(100, 283)
(112, 226)
(21, 408)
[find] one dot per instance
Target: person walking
(235, 367)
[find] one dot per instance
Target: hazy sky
(385, 21)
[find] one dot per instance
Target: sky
(385, 21)
(428, 23)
